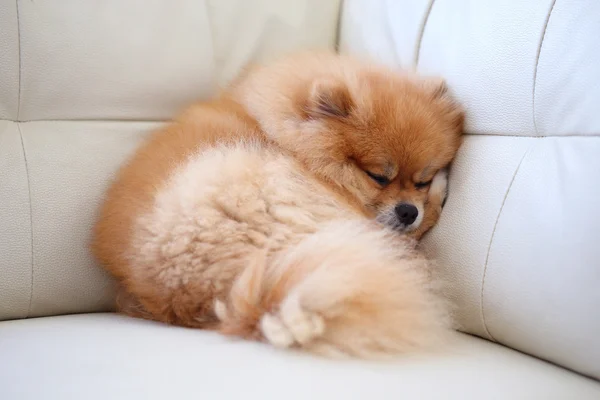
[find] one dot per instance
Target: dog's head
(378, 134)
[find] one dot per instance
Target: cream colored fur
(348, 286)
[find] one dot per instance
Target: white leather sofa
(82, 82)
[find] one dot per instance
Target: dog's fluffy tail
(349, 289)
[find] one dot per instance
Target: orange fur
(254, 213)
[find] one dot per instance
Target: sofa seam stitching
(389, 36)
(162, 121)
(338, 28)
(30, 216)
(537, 63)
(20, 63)
(217, 69)
(487, 258)
(421, 34)
(100, 120)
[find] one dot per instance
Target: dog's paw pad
(275, 331)
(439, 185)
(303, 325)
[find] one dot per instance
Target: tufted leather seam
(110, 120)
(338, 28)
(487, 258)
(91, 120)
(211, 32)
(422, 33)
(19, 45)
(537, 62)
(30, 215)
(579, 135)
(387, 27)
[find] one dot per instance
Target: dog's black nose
(407, 213)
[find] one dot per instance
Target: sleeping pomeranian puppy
(285, 210)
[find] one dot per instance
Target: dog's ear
(328, 99)
(436, 86)
(438, 89)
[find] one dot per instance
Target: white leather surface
(9, 60)
(488, 51)
(70, 164)
(567, 94)
(508, 61)
(144, 59)
(517, 243)
(52, 178)
(110, 357)
(541, 287)
(480, 177)
(112, 59)
(15, 225)
(371, 28)
(248, 31)
(518, 238)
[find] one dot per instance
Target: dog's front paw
(275, 331)
(292, 324)
(438, 190)
(304, 325)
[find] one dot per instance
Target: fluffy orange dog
(260, 213)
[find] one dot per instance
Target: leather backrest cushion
(81, 84)
(518, 239)
(142, 59)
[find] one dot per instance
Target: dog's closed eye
(422, 185)
(380, 179)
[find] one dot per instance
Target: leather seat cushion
(106, 356)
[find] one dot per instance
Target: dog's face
(376, 134)
(384, 138)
